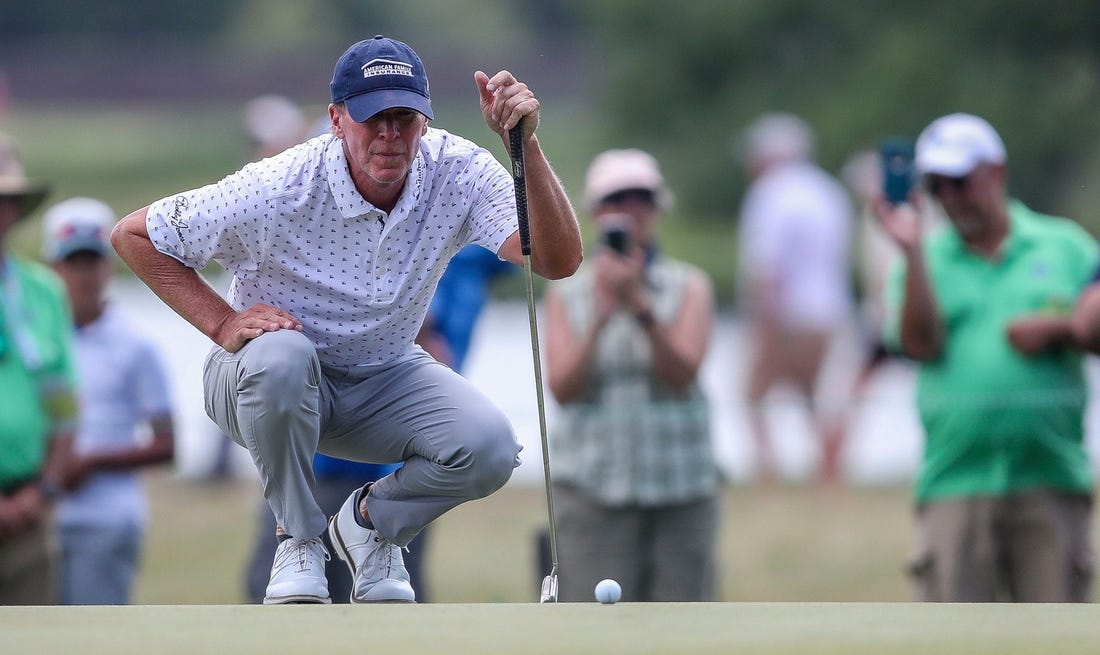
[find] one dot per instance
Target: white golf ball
(608, 591)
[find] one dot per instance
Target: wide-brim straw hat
(28, 194)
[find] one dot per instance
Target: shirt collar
(1021, 232)
(348, 199)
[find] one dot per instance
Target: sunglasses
(642, 196)
(934, 183)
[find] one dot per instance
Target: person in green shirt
(38, 403)
(1003, 492)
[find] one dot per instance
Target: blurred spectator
(273, 124)
(636, 484)
(796, 224)
(38, 403)
(1004, 490)
(122, 387)
(875, 255)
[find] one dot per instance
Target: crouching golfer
(336, 246)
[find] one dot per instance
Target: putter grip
(519, 177)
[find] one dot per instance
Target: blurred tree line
(681, 79)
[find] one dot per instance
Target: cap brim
(72, 246)
(363, 106)
(28, 198)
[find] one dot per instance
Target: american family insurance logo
(376, 67)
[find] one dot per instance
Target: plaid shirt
(630, 438)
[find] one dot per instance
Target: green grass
(833, 558)
(520, 629)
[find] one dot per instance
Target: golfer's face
(383, 146)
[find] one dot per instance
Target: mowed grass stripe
(461, 629)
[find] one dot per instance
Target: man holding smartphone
(1004, 490)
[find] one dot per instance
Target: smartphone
(616, 238)
(896, 156)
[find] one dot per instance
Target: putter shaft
(549, 592)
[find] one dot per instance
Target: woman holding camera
(635, 481)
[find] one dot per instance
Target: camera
(616, 236)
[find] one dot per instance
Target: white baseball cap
(954, 144)
(613, 171)
(74, 225)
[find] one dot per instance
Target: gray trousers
(274, 398)
(99, 563)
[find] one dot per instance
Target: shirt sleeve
(223, 222)
(493, 210)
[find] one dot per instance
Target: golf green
(742, 628)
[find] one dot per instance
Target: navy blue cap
(379, 74)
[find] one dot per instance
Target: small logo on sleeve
(176, 220)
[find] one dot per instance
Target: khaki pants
(28, 567)
(1025, 547)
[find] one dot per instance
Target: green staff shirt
(996, 421)
(37, 396)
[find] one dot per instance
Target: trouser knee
(495, 455)
(280, 367)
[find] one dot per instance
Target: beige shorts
(1032, 546)
(28, 566)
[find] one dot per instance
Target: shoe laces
(382, 555)
(301, 553)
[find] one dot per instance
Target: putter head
(549, 589)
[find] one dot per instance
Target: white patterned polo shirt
(296, 234)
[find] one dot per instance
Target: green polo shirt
(37, 381)
(996, 421)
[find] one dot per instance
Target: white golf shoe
(298, 573)
(377, 568)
